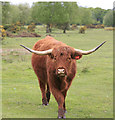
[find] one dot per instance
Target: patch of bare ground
(23, 34)
(4, 52)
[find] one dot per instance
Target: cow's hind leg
(42, 87)
(48, 93)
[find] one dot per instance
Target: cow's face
(62, 58)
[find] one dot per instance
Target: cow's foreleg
(60, 100)
(64, 94)
(42, 87)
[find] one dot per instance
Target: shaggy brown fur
(46, 68)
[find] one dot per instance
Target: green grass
(91, 93)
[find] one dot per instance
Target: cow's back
(47, 43)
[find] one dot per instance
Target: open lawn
(91, 93)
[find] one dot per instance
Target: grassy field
(91, 93)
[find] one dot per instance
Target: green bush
(14, 28)
(7, 26)
(31, 27)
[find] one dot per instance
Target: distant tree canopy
(108, 18)
(98, 14)
(13, 13)
(85, 16)
(60, 14)
(25, 13)
(6, 8)
(0, 13)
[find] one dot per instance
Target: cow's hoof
(62, 117)
(44, 102)
(61, 113)
(65, 111)
(59, 117)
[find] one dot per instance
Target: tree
(66, 15)
(58, 13)
(98, 14)
(114, 15)
(85, 16)
(42, 13)
(0, 13)
(24, 13)
(14, 14)
(108, 18)
(6, 8)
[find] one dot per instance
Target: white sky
(105, 4)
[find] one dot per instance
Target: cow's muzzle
(61, 72)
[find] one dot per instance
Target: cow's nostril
(61, 70)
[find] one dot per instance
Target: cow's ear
(77, 55)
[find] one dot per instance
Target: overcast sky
(105, 4)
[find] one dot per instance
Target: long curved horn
(46, 52)
(89, 51)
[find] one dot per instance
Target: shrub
(90, 26)
(7, 26)
(74, 26)
(2, 32)
(109, 28)
(99, 26)
(82, 29)
(14, 28)
(1, 26)
(31, 27)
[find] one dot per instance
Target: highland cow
(54, 64)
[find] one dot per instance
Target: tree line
(58, 14)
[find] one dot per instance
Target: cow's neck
(63, 83)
